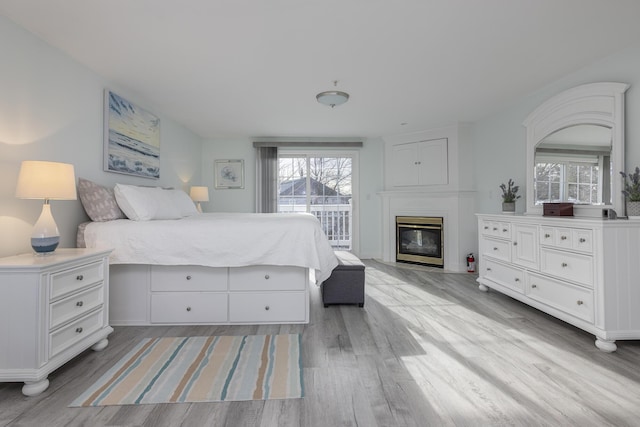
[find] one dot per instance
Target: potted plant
(632, 192)
(509, 196)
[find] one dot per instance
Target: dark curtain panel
(267, 179)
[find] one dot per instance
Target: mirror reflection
(574, 165)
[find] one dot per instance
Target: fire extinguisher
(471, 264)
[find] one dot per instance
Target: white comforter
(218, 240)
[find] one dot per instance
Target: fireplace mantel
(456, 209)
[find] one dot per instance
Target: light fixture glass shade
(199, 194)
(46, 180)
(332, 98)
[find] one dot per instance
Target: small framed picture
(229, 174)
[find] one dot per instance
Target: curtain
(267, 179)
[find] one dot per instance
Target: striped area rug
(202, 369)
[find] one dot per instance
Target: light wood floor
(428, 349)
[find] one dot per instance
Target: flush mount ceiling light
(332, 97)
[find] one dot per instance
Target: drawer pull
(564, 264)
(495, 228)
(267, 308)
(495, 249)
(188, 277)
(517, 280)
(563, 237)
(488, 269)
(79, 304)
(266, 276)
(582, 240)
(579, 302)
(546, 236)
(504, 230)
(515, 243)
(486, 227)
(80, 277)
(79, 330)
(533, 286)
(188, 308)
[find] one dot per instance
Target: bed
(213, 268)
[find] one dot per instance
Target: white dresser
(583, 271)
(52, 308)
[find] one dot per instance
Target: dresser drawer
(496, 229)
(69, 335)
(75, 305)
(577, 239)
(572, 299)
(71, 280)
(188, 278)
(498, 249)
(188, 307)
(267, 278)
(503, 274)
(567, 265)
(280, 307)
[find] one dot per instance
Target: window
(320, 184)
(575, 180)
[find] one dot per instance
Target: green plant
(509, 192)
(632, 185)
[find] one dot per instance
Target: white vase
(508, 207)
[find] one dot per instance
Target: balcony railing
(335, 220)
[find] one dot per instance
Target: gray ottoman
(346, 283)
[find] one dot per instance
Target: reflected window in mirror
(574, 165)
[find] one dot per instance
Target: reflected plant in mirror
(632, 192)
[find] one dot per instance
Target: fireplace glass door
(419, 240)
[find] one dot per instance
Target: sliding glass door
(320, 184)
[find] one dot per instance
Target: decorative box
(557, 209)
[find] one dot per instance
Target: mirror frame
(589, 104)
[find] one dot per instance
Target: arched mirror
(575, 149)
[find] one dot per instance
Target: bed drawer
(268, 307)
(188, 307)
(267, 278)
(188, 278)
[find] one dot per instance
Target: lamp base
(45, 245)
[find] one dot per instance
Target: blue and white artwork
(132, 138)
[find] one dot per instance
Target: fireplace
(420, 240)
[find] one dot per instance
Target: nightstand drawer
(75, 305)
(67, 336)
(76, 278)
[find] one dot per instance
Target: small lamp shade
(199, 194)
(46, 180)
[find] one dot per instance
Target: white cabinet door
(524, 249)
(404, 165)
(419, 163)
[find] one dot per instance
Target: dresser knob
(546, 236)
(564, 264)
(79, 304)
(188, 308)
(504, 230)
(266, 276)
(188, 277)
(267, 308)
(486, 227)
(495, 228)
(517, 280)
(579, 302)
(582, 240)
(533, 286)
(79, 330)
(488, 269)
(563, 237)
(495, 249)
(515, 243)
(80, 277)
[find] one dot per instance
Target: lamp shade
(199, 194)
(46, 180)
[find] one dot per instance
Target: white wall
(499, 140)
(243, 200)
(51, 108)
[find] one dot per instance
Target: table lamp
(199, 194)
(48, 181)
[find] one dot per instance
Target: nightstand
(52, 308)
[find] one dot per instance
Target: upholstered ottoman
(346, 283)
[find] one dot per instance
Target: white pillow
(182, 202)
(145, 203)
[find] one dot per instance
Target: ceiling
(252, 68)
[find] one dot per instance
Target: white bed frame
(178, 295)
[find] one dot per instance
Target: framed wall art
(131, 138)
(229, 174)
